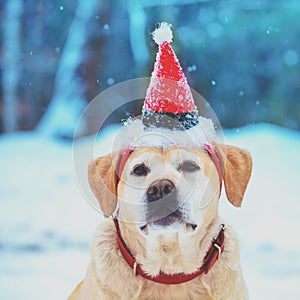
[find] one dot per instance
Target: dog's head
(167, 195)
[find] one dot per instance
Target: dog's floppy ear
(102, 179)
(237, 167)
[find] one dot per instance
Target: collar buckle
(218, 248)
(215, 243)
(134, 268)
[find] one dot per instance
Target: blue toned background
(56, 56)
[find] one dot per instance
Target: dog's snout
(160, 189)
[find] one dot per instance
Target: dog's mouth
(174, 221)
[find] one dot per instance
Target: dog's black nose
(160, 189)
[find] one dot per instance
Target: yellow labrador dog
(169, 241)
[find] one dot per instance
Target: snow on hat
(169, 102)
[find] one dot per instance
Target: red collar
(211, 257)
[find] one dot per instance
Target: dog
(164, 202)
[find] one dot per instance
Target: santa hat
(169, 114)
(169, 102)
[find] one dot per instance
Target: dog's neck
(111, 271)
(169, 265)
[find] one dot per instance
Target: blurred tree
(68, 102)
(242, 56)
(11, 63)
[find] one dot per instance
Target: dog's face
(166, 198)
(167, 189)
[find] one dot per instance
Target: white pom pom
(163, 33)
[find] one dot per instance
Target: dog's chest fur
(115, 279)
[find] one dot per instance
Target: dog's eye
(189, 166)
(140, 170)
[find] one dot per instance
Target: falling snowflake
(110, 81)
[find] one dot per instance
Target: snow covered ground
(46, 224)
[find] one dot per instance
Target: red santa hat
(169, 114)
(169, 102)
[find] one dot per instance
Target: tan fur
(110, 277)
(102, 180)
(238, 165)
